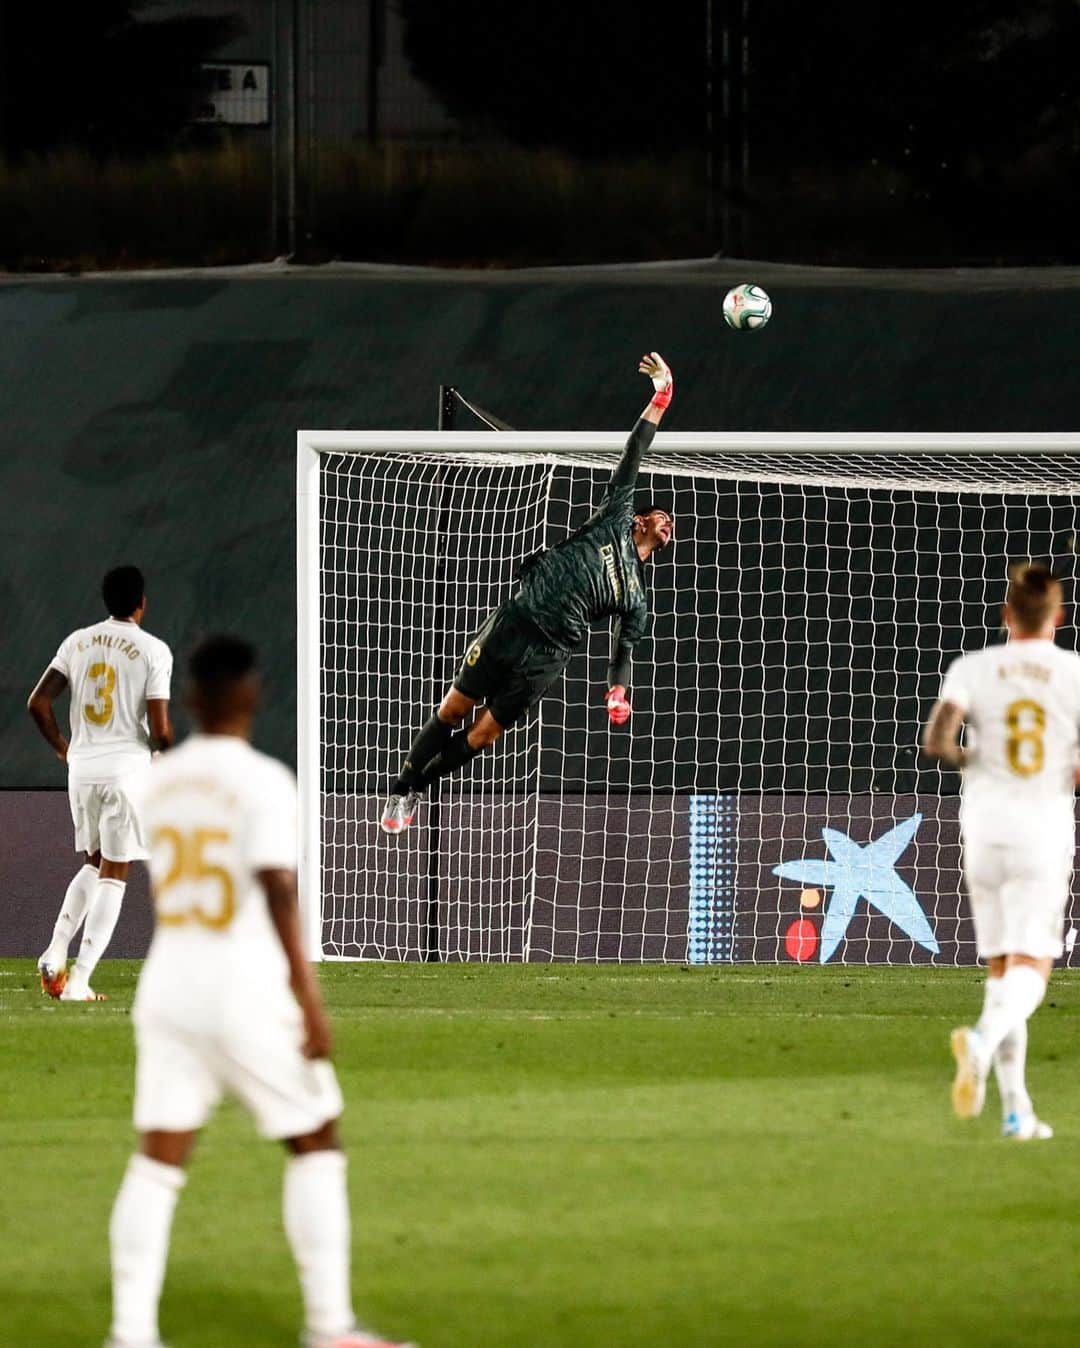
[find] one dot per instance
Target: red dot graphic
(801, 939)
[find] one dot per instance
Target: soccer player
(523, 647)
(1021, 704)
(119, 679)
(227, 1003)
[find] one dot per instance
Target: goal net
(766, 800)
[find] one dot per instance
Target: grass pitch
(557, 1155)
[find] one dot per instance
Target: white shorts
(105, 821)
(181, 1075)
(1018, 896)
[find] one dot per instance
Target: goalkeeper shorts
(510, 664)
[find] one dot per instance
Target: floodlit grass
(550, 1156)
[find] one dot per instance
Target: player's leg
(464, 746)
(1021, 990)
(52, 966)
(315, 1205)
(984, 879)
(315, 1202)
(102, 915)
(482, 669)
(176, 1088)
(298, 1102)
(139, 1232)
(401, 805)
(432, 738)
(121, 843)
(1022, 931)
(536, 667)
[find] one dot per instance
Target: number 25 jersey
(215, 812)
(112, 669)
(1021, 702)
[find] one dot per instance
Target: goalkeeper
(525, 644)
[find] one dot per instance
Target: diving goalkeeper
(523, 647)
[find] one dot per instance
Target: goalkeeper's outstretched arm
(641, 437)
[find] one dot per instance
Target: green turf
(551, 1156)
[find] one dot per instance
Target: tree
(93, 77)
(590, 78)
(947, 94)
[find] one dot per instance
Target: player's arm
(625, 634)
(641, 437)
(161, 731)
(40, 706)
(281, 897)
(941, 737)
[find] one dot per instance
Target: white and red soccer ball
(746, 308)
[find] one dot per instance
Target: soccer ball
(747, 307)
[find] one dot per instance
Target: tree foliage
(947, 94)
(91, 76)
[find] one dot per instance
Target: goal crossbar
(560, 444)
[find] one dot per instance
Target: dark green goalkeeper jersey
(596, 573)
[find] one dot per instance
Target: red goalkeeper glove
(656, 367)
(617, 706)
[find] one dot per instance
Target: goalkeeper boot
(53, 975)
(352, 1338)
(1025, 1128)
(399, 812)
(969, 1084)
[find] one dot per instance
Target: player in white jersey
(119, 679)
(1021, 705)
(227, 1004)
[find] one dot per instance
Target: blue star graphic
(868, 872)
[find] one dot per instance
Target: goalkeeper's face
(656, 528)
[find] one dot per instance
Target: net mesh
(801, 624)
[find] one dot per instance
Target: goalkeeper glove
(617, 706)
(656, 367)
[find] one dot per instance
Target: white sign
(236, 92)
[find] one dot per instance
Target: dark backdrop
(153, 419)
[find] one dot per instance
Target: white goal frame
(586, 449)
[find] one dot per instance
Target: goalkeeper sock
(431, 740)
(456, 754)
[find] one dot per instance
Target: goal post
(765, 801)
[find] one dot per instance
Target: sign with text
(236, 93)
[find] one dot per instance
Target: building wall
(334, 66)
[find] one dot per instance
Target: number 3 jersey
(112, 669)
(215, 812)
(1021, 702)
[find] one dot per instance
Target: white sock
(139, 1240)
(316, 1208)
(101, 918)
(78, 896)
(1019, 992)
(1010, 1061)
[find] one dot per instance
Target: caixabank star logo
(852, 873)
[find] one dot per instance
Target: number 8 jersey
(113, 669)
(1021, 703)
